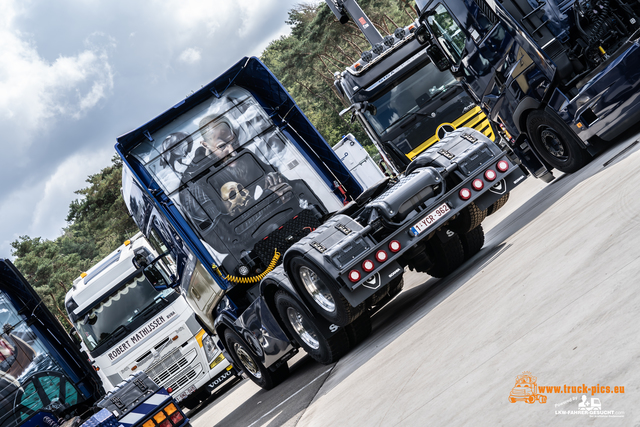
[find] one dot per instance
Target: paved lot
(553, 292)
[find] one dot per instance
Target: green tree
(98, 224)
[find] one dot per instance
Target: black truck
(561, 77)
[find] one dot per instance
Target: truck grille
(185, 378)
(162, 371)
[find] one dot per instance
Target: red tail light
(165, 423)
(490, 175)
(354, 276)
(394, 246)
(367, 266)
(176, 417)
(465, 194)
(477, 184)
(502, 166)
(381, 256)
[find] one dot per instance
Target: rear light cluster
(169, 416)
(368, 265)
(489, 175)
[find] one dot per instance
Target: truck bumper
(609, 103)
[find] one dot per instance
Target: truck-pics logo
(526, 389)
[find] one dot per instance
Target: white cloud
(190, 56)
(35, 91)
(53, 204)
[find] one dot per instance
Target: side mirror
(438, 57)
(161, 272)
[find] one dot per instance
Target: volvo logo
(444, 129)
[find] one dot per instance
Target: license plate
(186, 393)
(430, 219)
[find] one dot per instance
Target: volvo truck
(283, 248)
(128, 324)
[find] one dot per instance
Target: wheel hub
(317, 289)
(247, 361)
(301, 326)
(553, 144)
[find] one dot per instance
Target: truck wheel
(323, 293)
(359, 329)
(555, 142)
(251, 366)
(306, 332)
(497, 204)
(472, 242)
(468, 219)
(446, 256)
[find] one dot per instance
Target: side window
(449, 34)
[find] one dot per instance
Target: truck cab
(404, 102)
(43, 376)
(130, 320)
(560, 77)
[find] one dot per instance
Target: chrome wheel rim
(247, 361)
(302, 328)
(553, 144)
(317, 289)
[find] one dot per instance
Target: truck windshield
(407, 97)
(110, 318)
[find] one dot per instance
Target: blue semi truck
(561, 77)
(278, 246)
(46, 380)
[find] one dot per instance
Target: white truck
(128, 326)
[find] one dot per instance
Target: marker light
(354, 276)
(367, 266)
(381, 256)
(394, 246)
(477, 184)
(490, 175)
(502, 166)
(465, 194)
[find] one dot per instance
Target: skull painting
(235, 197)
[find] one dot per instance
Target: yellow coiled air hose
(254, 279)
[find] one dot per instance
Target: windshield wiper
(113, 335)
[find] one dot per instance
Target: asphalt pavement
(551, 298)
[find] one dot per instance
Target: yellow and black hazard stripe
(473, 118)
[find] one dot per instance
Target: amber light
(149, 423)
(170, 409)
(159, 417)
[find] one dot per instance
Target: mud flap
(500, 188)
(371, 286)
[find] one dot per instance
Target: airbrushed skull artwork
(235, 197)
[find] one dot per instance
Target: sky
(76, 74)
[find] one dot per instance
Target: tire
(530, 399)
(472, 242)
(250, 365)
(468, 219)
(446, 256)
(323, 293)
(359, 330)
(555, 142)
(512, 400)
(307, 334)
(497, 204)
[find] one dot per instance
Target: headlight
(209, 347)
